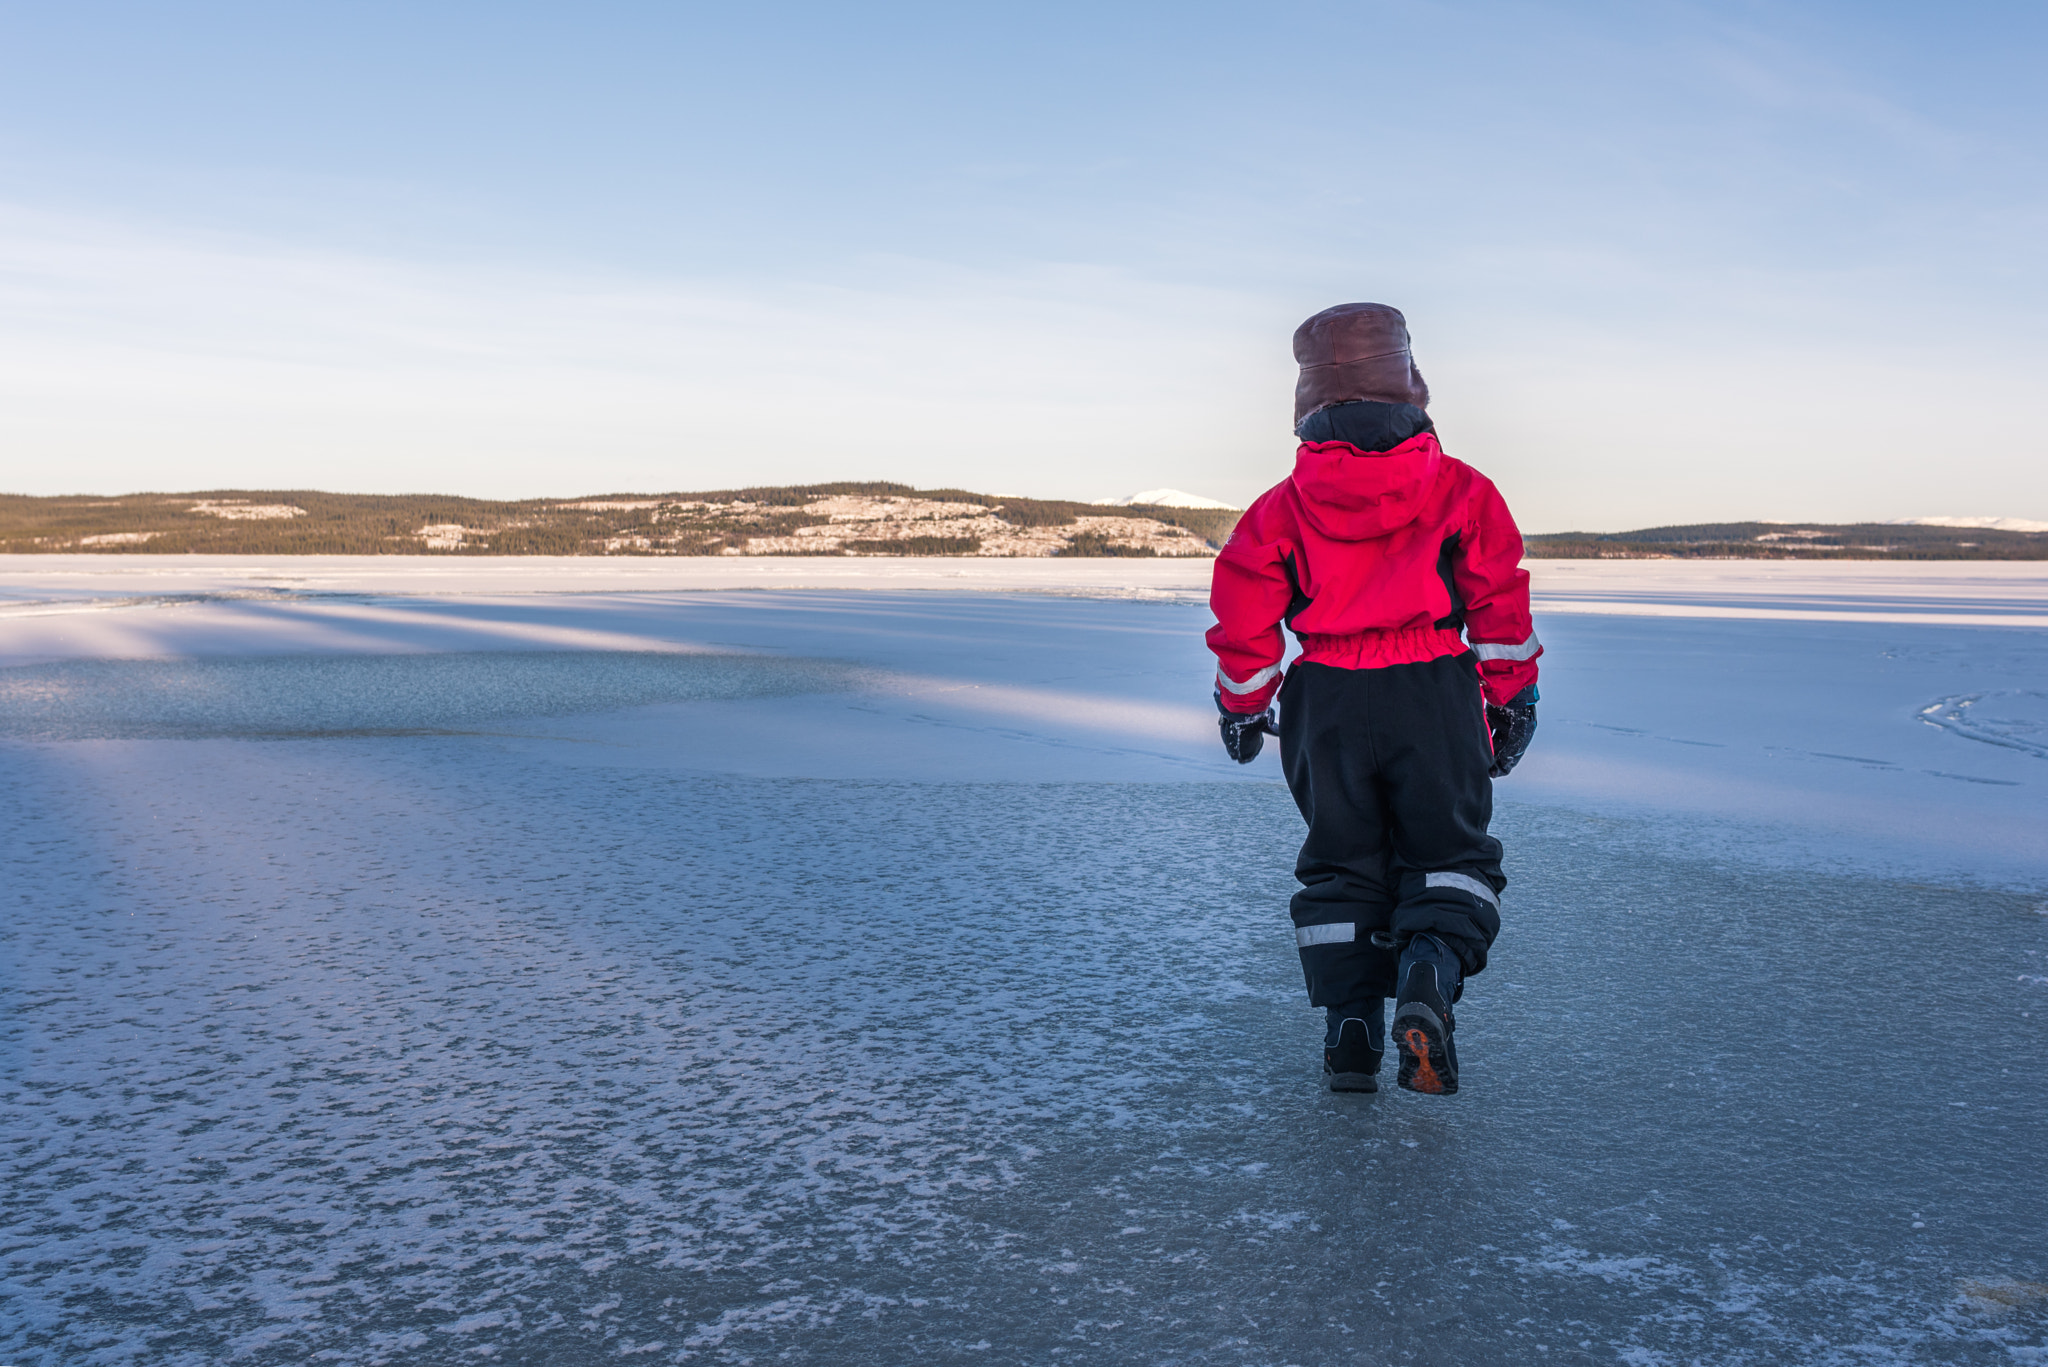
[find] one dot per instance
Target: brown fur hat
(1355, 351)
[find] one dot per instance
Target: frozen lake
(883, 971)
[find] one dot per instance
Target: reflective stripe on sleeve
(1336, 933)
(1463, 883)
(1526, 650)
(1251, 685)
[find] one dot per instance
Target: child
(1398, 570)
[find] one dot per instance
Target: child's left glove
(1513, 727)
(1244, 733)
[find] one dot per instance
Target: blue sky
(1663, 262)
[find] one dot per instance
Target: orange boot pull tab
(1425, 1079)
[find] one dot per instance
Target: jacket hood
(1365, 423)
(1351, 495)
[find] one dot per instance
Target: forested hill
(811, 519)
(1793, 541)
(872, 518)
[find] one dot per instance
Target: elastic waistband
(1378, 649)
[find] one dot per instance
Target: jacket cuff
(1250, 697)
(1504, 682)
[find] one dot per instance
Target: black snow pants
(1389, 769)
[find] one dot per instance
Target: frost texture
(574, 1042)
(314, 695)
(2016, 719)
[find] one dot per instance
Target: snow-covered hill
(1165, 498)
(1988, 524)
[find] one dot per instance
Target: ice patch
(2016, 719)
(376, 694)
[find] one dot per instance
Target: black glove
(1244, 733)
(1513, 727)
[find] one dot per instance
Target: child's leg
(1430, 737)
(1347, 888)
(1347, 892)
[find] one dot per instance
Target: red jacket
(1373, 559)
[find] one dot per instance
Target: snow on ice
(564, 963)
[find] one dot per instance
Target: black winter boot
(1354, 1045)
(1422, 1019)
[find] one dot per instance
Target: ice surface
(879, 978)
(305, 695)
(30, 580)
(2002, 593)
(2016, 718)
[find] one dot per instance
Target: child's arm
(1490, 578)
(1249, 594)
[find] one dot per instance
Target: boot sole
(1353, 1082)
(1425, 1061)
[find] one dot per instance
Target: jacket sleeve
(1249, 594)
(1488, 570)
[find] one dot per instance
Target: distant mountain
(1919, 539)
(813, 519)
(1166, 498)
(1991, 524)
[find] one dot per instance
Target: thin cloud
(134, 349)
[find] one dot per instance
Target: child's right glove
(1244, 733)
(1513, 727)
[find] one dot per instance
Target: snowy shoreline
(1959, 592)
